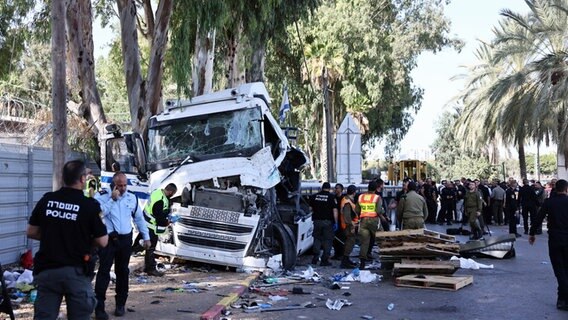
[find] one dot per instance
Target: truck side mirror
(136, 149)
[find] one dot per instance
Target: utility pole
(58, 91)
(328, 130)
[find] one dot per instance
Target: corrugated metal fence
(25, 175)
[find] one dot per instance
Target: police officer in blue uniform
(120, 207)
(68, 225)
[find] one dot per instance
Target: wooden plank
(414, 235)
(421, 268)
(440, 235)
(433, 282)
(454, 263)
(389, 234)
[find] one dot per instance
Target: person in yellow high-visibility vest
(156, 214)
(370, 209)
(92, 184)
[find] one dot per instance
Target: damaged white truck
(238, 178)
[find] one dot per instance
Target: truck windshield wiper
(187, 159)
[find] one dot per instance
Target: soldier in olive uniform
(473, 207)
(412, 209)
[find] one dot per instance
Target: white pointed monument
(348, 142)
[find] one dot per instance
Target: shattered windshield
(234, 133)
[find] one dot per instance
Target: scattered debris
(471, 264)
(337, 304)
(501, 247)
(277, 298)
(298, 290)
(390, 307)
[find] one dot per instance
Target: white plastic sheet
(471, 264)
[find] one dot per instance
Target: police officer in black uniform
(339, 237)
(448, 197)
(556, 209)
(324, 207)
(529, 202)
(68, 225)
(511, 207)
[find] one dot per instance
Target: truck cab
(238, 178)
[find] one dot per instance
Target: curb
(215, 311)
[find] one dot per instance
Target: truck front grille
(211, 243)
(215, 226)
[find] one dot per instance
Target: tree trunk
(156, 68)
(58, 93)
(81, 58)
(232, 60)
(522, 160)
(561, 157)
(256, 72)
(203, 60)
(131, 55)
(313, 172)
(149, 14)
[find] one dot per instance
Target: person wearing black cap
(324, 207)
(412, 209)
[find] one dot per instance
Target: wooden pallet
(430, 268)
(433, 282)
(454, 263)
(421, 249)
(417, 235)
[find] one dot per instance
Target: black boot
(100, 313)
(346, 263)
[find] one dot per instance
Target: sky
(470, 21)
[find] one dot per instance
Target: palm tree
(519, 89)
(540, 87)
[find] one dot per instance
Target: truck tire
(285, 238)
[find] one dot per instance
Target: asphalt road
(523, 287)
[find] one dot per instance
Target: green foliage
(370, 49)
(14, 30)
(454, 161)
(547, 164)
(188, 18)
(111, 85)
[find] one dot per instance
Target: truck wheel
(285, 238)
